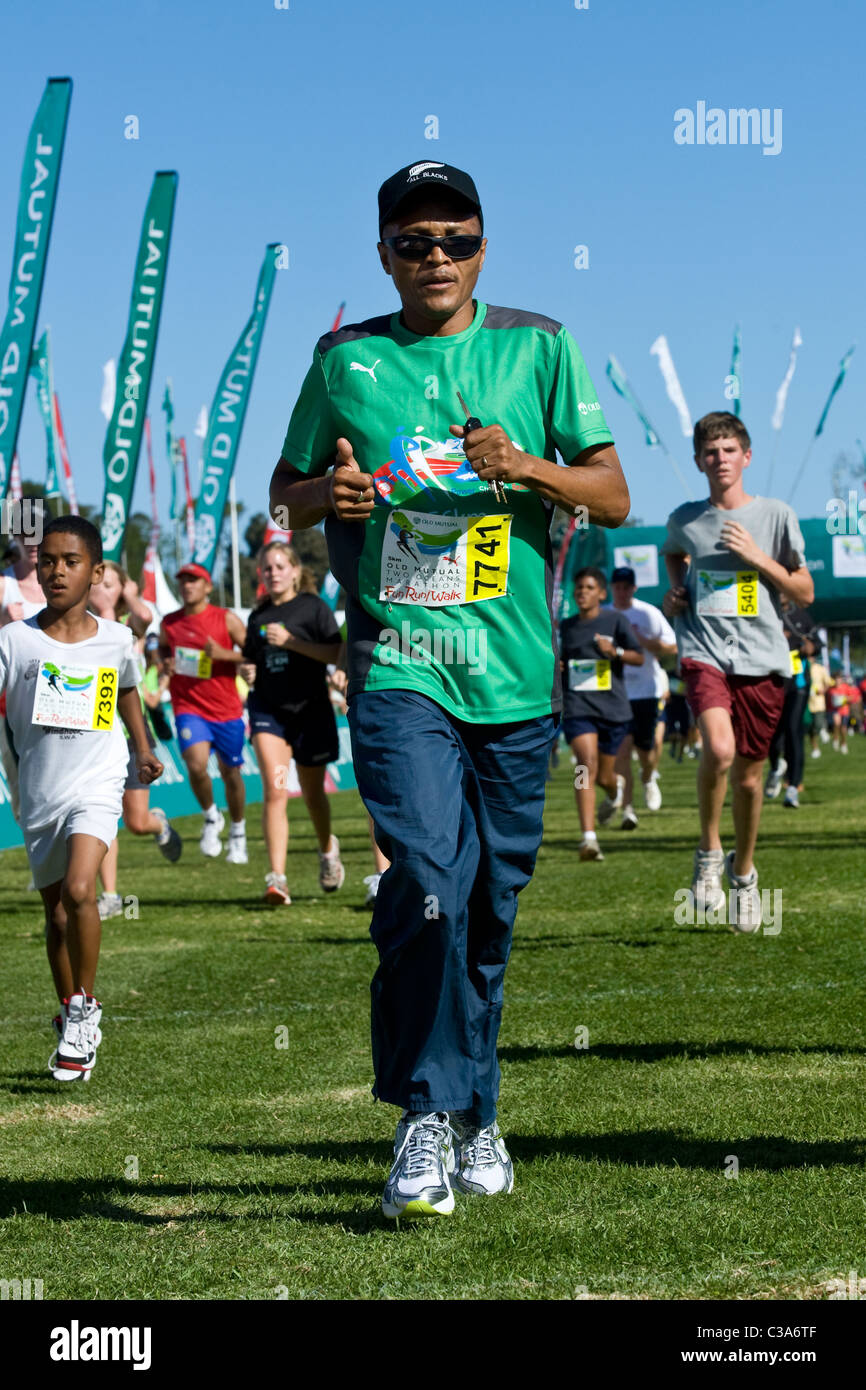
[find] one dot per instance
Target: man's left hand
(492, 454)
(738, 540)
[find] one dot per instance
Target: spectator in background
(291, 639)
(802, 638)
(819, 683)
(644, 686)
(201, 645)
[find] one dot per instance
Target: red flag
(273, 532)
(64, 457)
(338, 320)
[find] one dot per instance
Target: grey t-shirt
(733, 620)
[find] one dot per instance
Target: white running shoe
(844, 748)
(371, 883)
(611, 804)
(773, 784)
(236, 853)
(332, 875)
(629, 819)
(419, 1183)
(707, 890)
(816, 752)
(168, 841)
(483, 1163)
(75, 1057)
(652, 793)
(792, 798)
(209, 841)
(277, 890)
(823, 736)
(589, 848)
(745, 908)
(109, 905)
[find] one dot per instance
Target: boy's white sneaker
(236, 853)
(75, 1057)
(209, 842)
(652, 793)
(707, 890)
(419, 1183)
(611, 803)
(629, 818)
(109, 905)
(745, 902)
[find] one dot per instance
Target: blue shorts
(226, 736)
(610, 735)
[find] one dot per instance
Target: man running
(202, 644)
(451, 727)
(729, 558)
(643, 685)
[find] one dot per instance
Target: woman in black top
(292, 637)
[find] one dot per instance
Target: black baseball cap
(624, 573)
(426, 173)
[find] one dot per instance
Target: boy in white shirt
(67, 674)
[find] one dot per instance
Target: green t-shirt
(449, 592)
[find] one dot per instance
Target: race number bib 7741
(75, 697)
(728, 593)
(436, 561)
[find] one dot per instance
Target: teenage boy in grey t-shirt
(729, 559)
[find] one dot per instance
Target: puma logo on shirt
(359, 367)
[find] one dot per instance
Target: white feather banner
(661, 350)
(782, 393)
(109, 388)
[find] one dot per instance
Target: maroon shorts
(753, 702)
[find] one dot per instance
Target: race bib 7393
(75, 697)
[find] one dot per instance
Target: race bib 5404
(728, 593)
(436, 561)
(75, 697)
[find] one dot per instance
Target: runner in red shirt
(201, 643)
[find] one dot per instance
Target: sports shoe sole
(419, 1207)
(275, 898)
(590, 852)
(333, 887)
(173, 847)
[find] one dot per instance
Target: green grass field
(202, 1161)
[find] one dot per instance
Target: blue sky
(282, 124)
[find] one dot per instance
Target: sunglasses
(414, 246)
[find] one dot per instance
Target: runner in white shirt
(644, 686)
(67, 675)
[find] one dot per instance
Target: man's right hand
(352, 492)
(675, 602)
